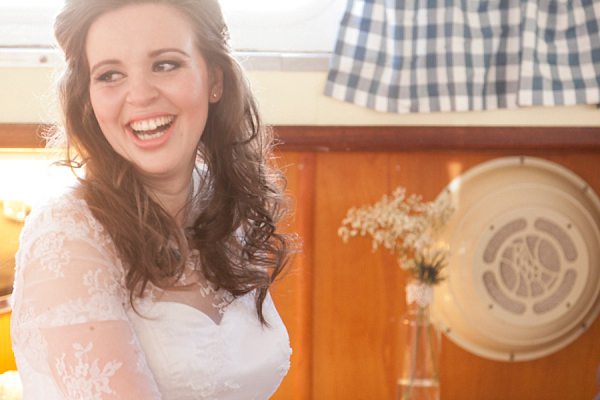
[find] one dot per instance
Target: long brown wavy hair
(242, 198)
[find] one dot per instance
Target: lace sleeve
(71, 335)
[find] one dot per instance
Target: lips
(151, 128)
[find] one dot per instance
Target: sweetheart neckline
(194, 310)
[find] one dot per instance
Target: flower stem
(413, 366)
(432, 351)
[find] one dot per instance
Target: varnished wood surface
(358, 294)
(426, 138)
(293, 294)
(389, 138)
(21, 136)
(7, 359)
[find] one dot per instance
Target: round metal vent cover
(524, 273)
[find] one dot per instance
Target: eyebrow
(102, 63)
(152, 54)
(158, 52)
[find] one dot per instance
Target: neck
(172, 194)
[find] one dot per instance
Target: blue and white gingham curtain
(456, 55)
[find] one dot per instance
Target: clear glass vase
(419, 348)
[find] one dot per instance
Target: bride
(150, 278)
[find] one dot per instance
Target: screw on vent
(524, 270)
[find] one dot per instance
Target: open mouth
(152, 128)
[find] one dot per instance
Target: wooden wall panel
(358, 294)
(7, 358)
(355, 290)
(293, 294)
(285, 290)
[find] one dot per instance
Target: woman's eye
(165, 66)
(109, 76)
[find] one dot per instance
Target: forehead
(138, 27)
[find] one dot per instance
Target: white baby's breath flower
(405, 225)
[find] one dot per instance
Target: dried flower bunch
(406, 226)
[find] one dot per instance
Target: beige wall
(291, 98)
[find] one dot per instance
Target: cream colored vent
(524, 274)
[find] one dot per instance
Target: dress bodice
(193, 357)
(75, 335)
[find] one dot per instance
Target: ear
(216, 87)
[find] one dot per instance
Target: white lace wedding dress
(75, 336)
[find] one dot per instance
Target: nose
(141, 91)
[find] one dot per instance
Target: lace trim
(222, 298)
(421, 293)
(84, 380)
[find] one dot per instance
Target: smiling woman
(152, 273)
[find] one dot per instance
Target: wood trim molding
(21, 135)
(420, 138)
(389, 138)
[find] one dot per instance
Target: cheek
(193, 90)
(105, 109)
(191, 96)
(107, 114)
(99, 106)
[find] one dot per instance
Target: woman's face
(150, 87)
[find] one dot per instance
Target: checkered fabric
(456, 55)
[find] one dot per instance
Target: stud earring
(214, 95)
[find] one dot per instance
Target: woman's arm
(70, 329)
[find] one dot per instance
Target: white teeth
(146, 136)
(151, 124)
